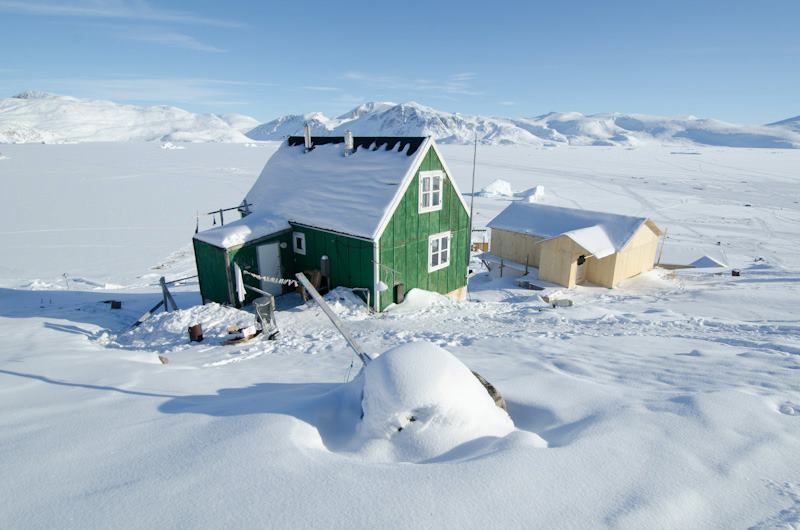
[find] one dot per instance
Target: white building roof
(601, 234)
(323, 188)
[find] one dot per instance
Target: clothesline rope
(272, 279)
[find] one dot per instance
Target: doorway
(580, 273)
(269, 264)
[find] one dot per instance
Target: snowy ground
(672, 402)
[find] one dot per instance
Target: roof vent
(307, 136)
(348, 143)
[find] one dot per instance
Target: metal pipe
(365, 358)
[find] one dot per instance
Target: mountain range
(43, 117)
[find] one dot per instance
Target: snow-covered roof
(323, 188)
(243, 230)
(600, 233)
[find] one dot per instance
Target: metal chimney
(307, 135)
(348, 143)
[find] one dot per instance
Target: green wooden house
(384, 210)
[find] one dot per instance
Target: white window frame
(432, 175)
(449, 250)
(302, 237)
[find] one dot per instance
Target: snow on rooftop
(600, 233)
(241, 231)
(322, 188)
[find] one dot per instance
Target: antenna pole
(471, 202)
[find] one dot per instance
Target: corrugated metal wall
(404, 243)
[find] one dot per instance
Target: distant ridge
(567, 128)
(42, 117)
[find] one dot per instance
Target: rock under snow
(420, 401)
(707, 262)
(498, 188)
(534, 194)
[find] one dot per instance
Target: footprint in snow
(790, 409)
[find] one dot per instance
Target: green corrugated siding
(350, 258)
(212, 272)
(404, 243)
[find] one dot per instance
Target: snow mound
(346, 303)
(707, 262)
(418, 299)
(168, 332)
(498, 188)
(170, 146)
(420, 402)
(534, 194)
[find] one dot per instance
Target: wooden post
(168, 300)
(501, 267)
(526, 264)
(661, 250)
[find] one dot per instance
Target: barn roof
(323, 188)
(600, 233)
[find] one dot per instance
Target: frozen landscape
(670, 402)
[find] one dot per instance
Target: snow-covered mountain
(790, 123)
(33, 117)
(572, 128)
(43, 117)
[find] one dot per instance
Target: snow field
(671, 402)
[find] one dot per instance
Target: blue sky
(738, 61)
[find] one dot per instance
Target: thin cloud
(112, 9)
(171, 39)
(197, 91)
(456, 84)
(321, 88)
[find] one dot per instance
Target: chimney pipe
(307, 136)
(348, 143)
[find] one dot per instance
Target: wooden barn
(384, 211)
(571, 246)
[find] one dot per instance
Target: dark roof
(389, 143)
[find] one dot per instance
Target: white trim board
(406, 182)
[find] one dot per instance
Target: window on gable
(438, 251)
(299, 242)
(430, 191)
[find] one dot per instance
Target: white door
(269, 264)
(580, 274)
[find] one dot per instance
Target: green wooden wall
(246, 257)
(404, 243)
(216, 285)
(351, 258)
(212, 272)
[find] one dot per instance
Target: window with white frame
(438, 251)
(299, 242)
(430, 191)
